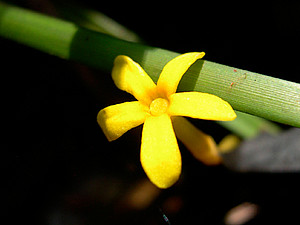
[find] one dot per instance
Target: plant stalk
(264, 96)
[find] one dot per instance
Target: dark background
(57, 166)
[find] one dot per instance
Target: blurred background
(59, 168)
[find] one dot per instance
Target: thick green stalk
(253, 93)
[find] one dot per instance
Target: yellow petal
(202, 146)
(160, 156)
(115, 120)
(174, 70)
(229, 143)
(201, 106)
(129, 76)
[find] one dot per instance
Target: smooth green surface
(44, 33)
(253, 93)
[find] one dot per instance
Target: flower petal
(202, 146)
(160, 155)
(129, 76)
(174, 70)
(201, 106)
(115, 120)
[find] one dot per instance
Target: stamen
(159, 106)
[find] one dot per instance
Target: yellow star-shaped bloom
(161, 109)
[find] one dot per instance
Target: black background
(57, 166)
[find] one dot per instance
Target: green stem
(249, 92)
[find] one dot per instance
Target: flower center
(158, 106)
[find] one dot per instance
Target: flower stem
(249, 92)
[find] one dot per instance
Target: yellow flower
(161, 111)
